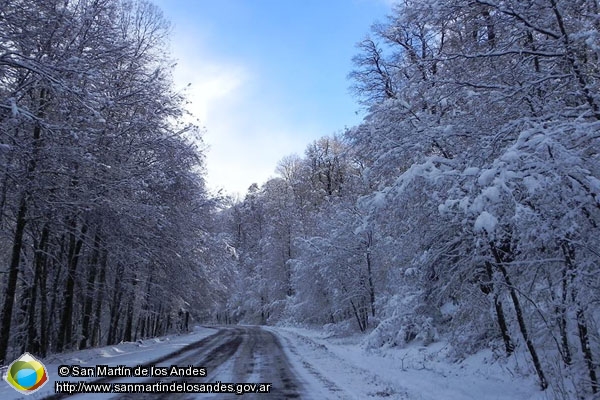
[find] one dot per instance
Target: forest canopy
(103, 206)
(464, 207)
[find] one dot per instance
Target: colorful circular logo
(26, 374)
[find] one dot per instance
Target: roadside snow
(339, 368)
(129, 353)
(335, 368)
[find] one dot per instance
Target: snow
(510, 156)
(446, 206)
(339, 368)
(449, 308)
(477, 206)
(127, 353)
(13, 107)
(595, 186)
(471, 171)
(532, 184)
(379, 199)
(485, 222)
(492, 194)
(486, 176)
(464, 203)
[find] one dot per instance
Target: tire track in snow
(336, 389)
(175, 357)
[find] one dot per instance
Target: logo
(26, 374)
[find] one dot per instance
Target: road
(294, 366)
(238, 355)
(297, 363)
(235, 354)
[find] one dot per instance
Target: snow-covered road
(235, 355)
(296, 363)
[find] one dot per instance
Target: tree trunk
(358, 318)
(44, 304)
(11, 286)
(53, 302)
(127, 334)
(13, 270)
(89, 293)
(571, 58)
(582, 329)
(489, 288)
(508, 344)
(562, 319)
(33, 342)
(370, 273)
(5, 187)
(115, 307)
(586, 349)
(142, 327)
(500, 260)
(99, 300)
(65, 337)
(156, 321)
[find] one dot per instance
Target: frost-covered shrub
(398, 331)
(386, 334)
(472, 327)
(403, 322)
(343, 328)
(427, 332)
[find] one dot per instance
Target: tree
(488, 117)
(102, 186)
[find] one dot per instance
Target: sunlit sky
(267, 76)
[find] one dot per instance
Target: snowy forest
(465, 207)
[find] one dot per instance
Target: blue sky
(267, 76)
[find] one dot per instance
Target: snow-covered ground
(334, 368)
(131, 354)
(416, 372)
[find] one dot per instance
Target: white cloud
(209, 83)
(247, 129)
(247, 137)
